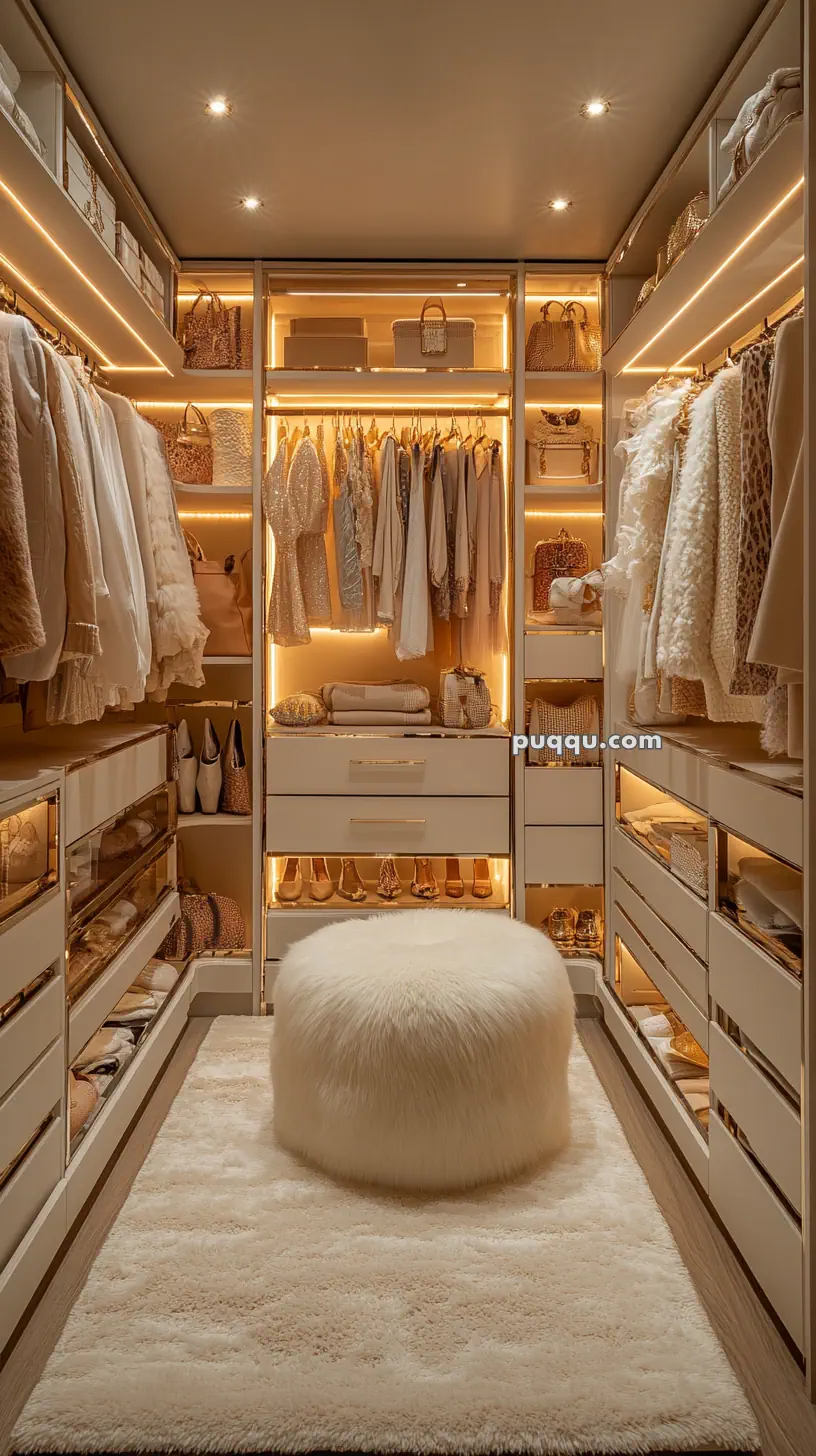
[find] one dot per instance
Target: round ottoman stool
(423, 1049)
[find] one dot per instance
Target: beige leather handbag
(218, 600)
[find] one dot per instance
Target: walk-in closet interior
(365, 553)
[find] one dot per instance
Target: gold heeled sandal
(351, 886)
(389, 884)
(424, 885)
(454, 884)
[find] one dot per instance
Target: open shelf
(563, 387)
(201, 821)
(198, 386)
(54, 254)
(751, 249)
(469, 385)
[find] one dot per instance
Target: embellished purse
(464, 698)
(690, 222)
(211, 339)
(561, 555)
(581, 718)
(206, 922)
(551, 341)
(576, 457)
(188, 447)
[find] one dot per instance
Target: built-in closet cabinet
(738, 997)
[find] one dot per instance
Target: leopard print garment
(749, 678)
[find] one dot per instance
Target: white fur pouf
(423, 1049)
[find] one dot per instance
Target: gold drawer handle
(388, 762)
(386, 821)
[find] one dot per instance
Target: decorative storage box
(89, 192)
(127, 251)
(325, 351)
(326, 326)
(151, 282)
(434, 342)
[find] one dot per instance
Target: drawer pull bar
(386, 821)
(388, 762)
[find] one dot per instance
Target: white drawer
(31, 943)
(563, 856)
(694, 1018)
(563, 654)
(763, 999)
(30, 1030)
(563, 796)
(366, 764)
(767, 1119)
(766, 816)
(23, 1274)
(691, 974)
(104, 787)
(672, 769)
(684, 911)
(765, 1234)
(360, 825)
(89, 1012)
(30, 1101)
(29, 1187)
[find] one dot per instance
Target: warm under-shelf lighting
(51, 240)
(180, 404)
(392, 293)
(749, 237)
(695, 352)
(561, 405)
(215, 515)
(540, 515)
(560, 297)
(226, 297)
(52, 309)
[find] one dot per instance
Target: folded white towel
(777, 882)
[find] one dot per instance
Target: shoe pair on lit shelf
(424, 885)
(575, 929)
(217, 786)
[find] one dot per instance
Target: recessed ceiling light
(595, 108)
(461, 285)
(251, 203)
(559, 204)
(218, 106)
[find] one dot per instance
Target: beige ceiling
(384, 129)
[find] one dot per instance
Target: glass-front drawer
(108, 854)
(28, 854)
(763, 896)
(93, 946)
(666, 828)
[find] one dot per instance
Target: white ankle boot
(209, 777)
(187, 769)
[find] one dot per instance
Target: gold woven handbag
(187, 445)
(581, 718)
(691, 220)
(464, 698)
(211, 339)
(551, 342)
(588, 341)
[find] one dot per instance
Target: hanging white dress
(438, 540)
(415, 629)
(477, 634)
(387, 558)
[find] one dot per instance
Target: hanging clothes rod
(232, 703)
(384, 408)
(766, 330)
(13, 301)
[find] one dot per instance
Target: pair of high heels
(290, 887)
(425, 885)
(216, 786)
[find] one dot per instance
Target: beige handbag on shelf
(588, 341)
(218, 601)
(566, 343)
(563, 447)
(464, 698)
(432, 342)
(211, 339)
(188, 448)
(581, 718)
(242, 576)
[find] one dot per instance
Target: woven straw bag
(561, 555)
(231, 436)
(688, 858)
(211, 339)
(464, 698)
(581, 718)
(691, 220)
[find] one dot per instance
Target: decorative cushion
(301, 710)
(424, 1049)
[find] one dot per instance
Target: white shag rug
(244, 1302)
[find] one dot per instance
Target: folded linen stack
(681, 1057)
(384, 704)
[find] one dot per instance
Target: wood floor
(772, 1380)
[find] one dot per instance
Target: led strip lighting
(694, 352)
(43, 231)
(749, 237)
(52, 309)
